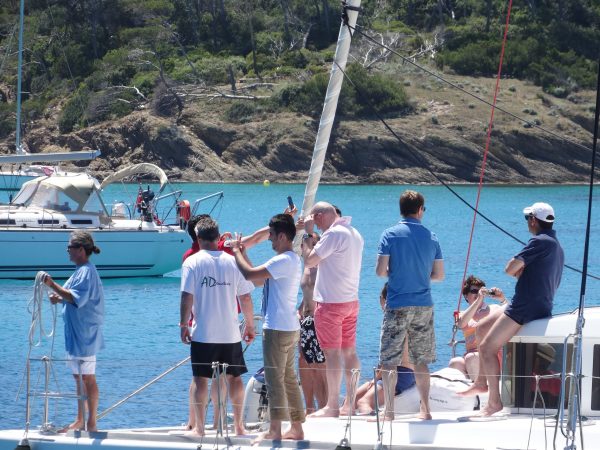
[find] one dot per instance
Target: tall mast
(20, 150)
(331, 100)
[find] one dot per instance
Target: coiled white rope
(37, 331)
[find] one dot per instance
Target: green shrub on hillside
(73, 111)
(357, 99)
(7, 119)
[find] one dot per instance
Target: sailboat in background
(32, 165)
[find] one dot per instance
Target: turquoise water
(142, 336)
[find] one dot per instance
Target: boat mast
(20, 150)
(351, 8)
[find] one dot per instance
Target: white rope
(37, 331)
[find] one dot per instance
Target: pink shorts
(336, 324)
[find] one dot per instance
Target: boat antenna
(574, 401)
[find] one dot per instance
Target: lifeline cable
(422, 163)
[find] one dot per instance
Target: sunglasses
(71, 247)
(473, 291)
(527, 217)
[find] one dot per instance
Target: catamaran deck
(446, 431)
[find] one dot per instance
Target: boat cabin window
(522, 363)
(48, 197)
(94, 204)
(596, 379)
(24, 194)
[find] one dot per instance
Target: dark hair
(85, 240)
(283, 223)
(207, 229)
(191, 225)
(472, 280)
(338, 211)
(543, 224)
(410, 202)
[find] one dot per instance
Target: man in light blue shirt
(410, 256)
(83, 313)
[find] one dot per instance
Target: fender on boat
(255, 409)
(444, 385)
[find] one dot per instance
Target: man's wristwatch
(305, 236)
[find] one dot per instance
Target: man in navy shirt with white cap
(538, 269)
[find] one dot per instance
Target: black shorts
(203, 355)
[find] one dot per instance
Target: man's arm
(63, 294)
(254, 274)
(515, 267)
(311, 259)
(256, 238)
(382, 267)
(249, 333)
(185, 311)
(437, 273)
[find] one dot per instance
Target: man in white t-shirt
(281, 277)
(338, 255)
(210, 282)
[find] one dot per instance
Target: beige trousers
(279, 354)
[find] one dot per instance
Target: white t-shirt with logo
(280, 292)
(340, 249)
(214, 280)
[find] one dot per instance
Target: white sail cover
(329, 108)
(142, 168)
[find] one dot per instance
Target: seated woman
(474, 293)
(365, 394)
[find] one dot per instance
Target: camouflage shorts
(416, 322)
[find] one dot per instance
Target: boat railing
(47, 426)
(257, 320)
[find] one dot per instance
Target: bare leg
(200, 392)
(91, 389)
(350, 362)
(422, 380)
(484, 326)
(236, 395)
(472, 365)
(333, 363)
(500, 334)
(78, 423)
(458, 363)
(307, 382)
(191, 414)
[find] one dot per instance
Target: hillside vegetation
(128, 75)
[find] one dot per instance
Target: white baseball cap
(541, 211)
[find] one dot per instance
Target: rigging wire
(465, 91)
(420, 160)
(488, 139)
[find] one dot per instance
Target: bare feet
(345, 411)
(473, 390)
(490, 409)
(195, 433)
(424, 416)
(77, 425)
(293, 435)
(325, 412)
(295, 432)
(266, 435)
(240, 430)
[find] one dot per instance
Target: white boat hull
(446, 431)
(124, 253)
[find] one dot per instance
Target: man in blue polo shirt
(410, 256)
(538, 268)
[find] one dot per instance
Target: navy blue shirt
(534, 293)
(412, 249)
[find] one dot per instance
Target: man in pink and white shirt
(338, 256)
